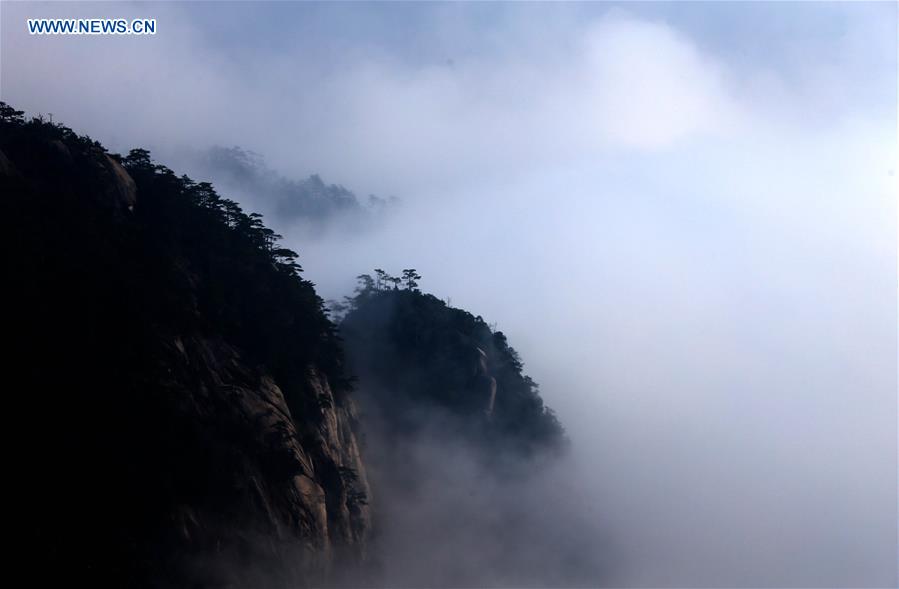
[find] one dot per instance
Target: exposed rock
(486, 381)
(122, 188)
(307, 514)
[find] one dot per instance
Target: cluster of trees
(208, 261)
(247, 227)
(369, 286)
(249, 285)
(15, 124)
(382, 281)
(409, 280)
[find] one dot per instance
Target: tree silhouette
(411, 278)
(10, 115)
(381, 278)
(139, 159)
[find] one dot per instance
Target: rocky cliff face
(299, 491)
(186, 421)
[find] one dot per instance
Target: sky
(683, 215)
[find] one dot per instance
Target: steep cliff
(184, 417)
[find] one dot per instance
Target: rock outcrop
(300, 502)
(486, 382)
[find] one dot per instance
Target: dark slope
(415, 353)
(182, 417)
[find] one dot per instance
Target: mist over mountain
(210, 426)
(309, 205)
(681, 215)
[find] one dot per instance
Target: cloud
(651, 86)
(624, 82)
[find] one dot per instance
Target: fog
(685, 222)
(447, 517)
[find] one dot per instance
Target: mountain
(184, 418)
(184, 412)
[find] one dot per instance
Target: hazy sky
(683, 216)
